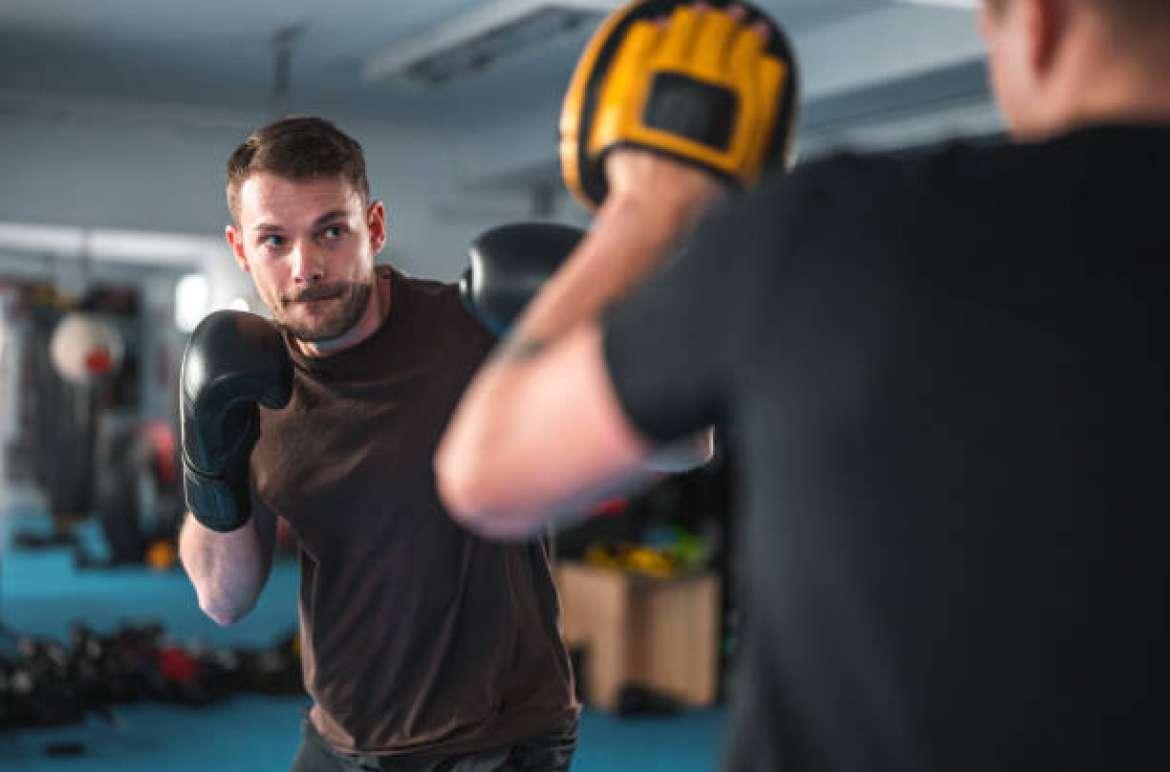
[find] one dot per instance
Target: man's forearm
(629, 240)
(229, 570)
(499, 467)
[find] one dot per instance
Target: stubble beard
(350, 299)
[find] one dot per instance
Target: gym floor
(41, 592)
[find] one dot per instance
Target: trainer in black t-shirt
(948, 375)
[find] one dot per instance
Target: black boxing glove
(508, 266)
(233, 361)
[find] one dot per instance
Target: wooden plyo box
(660, 634)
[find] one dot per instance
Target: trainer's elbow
(473, 494)
(459, 476)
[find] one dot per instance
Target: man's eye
(333, 232)
(272, 240)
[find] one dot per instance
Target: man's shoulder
(884, 179)
(440, 305)
(424, 296)
(874, 197)
(426, 289)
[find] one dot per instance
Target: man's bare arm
(554, 424)
(540, 432)
(229, 570)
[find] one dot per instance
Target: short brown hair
(297, 148)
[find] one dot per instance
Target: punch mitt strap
(702, 88)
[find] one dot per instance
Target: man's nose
(308, 265)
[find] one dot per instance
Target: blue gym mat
(41, 592)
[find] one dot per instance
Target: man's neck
(377, 309)
(1132, 100)
(1112, 87)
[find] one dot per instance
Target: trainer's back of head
(1059, 64)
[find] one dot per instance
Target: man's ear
(376, 222)
(984, 20)
(1045, 22)
(235, 240)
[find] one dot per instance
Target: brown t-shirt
(417, 636)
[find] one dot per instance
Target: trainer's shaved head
(1059, 64)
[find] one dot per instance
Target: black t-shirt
(417, 637)
(947, 376)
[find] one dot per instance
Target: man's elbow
(461, 483)
(224, 613)
(472, 494)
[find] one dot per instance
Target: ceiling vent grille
(469, 43)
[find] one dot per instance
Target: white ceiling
(96, 96)
(220, 53)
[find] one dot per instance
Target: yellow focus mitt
(703, 88)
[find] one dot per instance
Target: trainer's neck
(1109, 87)
(377, 309)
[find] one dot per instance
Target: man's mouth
(317, 296)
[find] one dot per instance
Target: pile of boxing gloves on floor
(44, 682)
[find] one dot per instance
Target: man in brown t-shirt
(423, 645)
